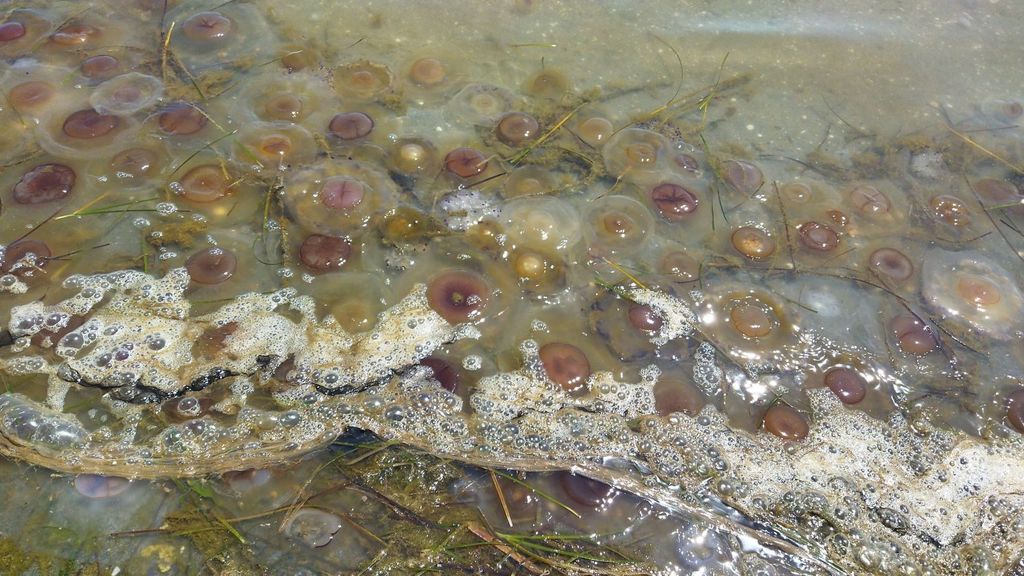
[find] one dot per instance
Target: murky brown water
(758, 267)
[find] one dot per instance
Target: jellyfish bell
(207, 37)
(44, 183)
(413, 156)
(633, 152)
(126, 94)
(890, 264)
(913, 335)
(80, 131)
(136, 165)
(322, 253)
(679, 266)
(743, 177)
(676, 202)
(595, 131)
(543, 222)
(21, 29)
(363, 80)
(23, 257)
(529, 181)
(873, 208)
(786, 423)
(846, 383)
(459, 295)
(465, 162)
(517, 128)
(753, 242)
(480, 105)
(337, 198)
(302, 97)
(817, 237)
(99, 67)
(427, 72)
(972, 294)
(350, 126)
(211, 265)
(565, 365)
(274, 146)
(617, 225)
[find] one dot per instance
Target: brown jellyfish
(297, 58)
(181, 119)
(32, 94)
(548, 83)
(796, 192)
(632, 150)
(950, 210)
(34, 253)
(1015, 410)
(363, 79)
(751, 319)
(679, 266)
(528, 181)
(617, 225)
(458, 295)
(817, 237)
(75, 34)
(100, 487)
(11, 31)
(44, 183)
(869, 200)
(978, 291)
(784, 421)
(207, 27)
(205, 183)
(322, 253)
(673, 395)
(912, 334)
(516, 128)
(753, 242)
(595, 131)
(644, 318)
(342, 193)
(134, 163)
(443, 372)
(412, 156)
(673, 201)
(405, 225)
(427, 72)
(465, 162)
(283, 107)
(537, 271)
(890, 263)
(742, 176)
(350, 126)
(213, 265)
(566, 365)
(88, 124)
(99, 67)
(995, 192)
(584, 491)
(686, 162)
(846, 384)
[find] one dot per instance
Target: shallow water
(757, 266)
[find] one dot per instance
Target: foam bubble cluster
(897, 485)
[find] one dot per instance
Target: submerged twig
(501, 498)
(119, 208)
